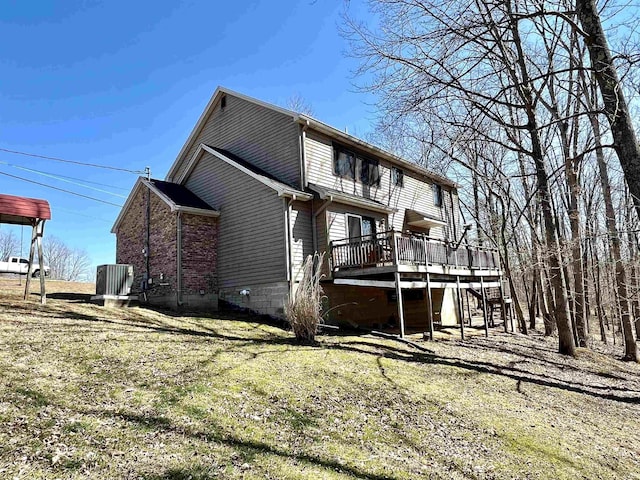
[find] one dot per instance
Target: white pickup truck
(21, 266)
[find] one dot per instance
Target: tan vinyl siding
(337, 219)
(263, 137)
(251, 236)
(322, 242)
(302, 237)
(416, 192)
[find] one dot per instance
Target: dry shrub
(303, 311)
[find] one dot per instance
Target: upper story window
(397, 177)
(344, 163)
(369, 172)
(437, 195)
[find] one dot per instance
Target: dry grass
(88, 392)
(303, 311)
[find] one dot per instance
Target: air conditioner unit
(114, 279)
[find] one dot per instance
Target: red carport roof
(23, 210)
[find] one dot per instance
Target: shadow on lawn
(362, 346)
(512, 372)
(69, 297)
(249, 448)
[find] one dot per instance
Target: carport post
(31, 249)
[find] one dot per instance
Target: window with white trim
(360, 227)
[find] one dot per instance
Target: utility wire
(58, 177)
(73, 212)
(66, 176)
(60, 189)
(70, 161)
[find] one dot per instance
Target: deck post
(459, 300)
(394, 246)
(400, 307)
(429, 307)
(426, 254)
(484, 308)
(503, 305)
(466, 296)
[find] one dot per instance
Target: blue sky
(123, 83)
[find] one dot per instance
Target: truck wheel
(35, 274)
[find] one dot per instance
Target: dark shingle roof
(247, 165)
(180, 195)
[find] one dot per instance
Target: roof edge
(281, 189)
(393, 158)
(127, 204)
(219, 91)
(348, 200)
(173, 206)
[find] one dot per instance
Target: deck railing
(396, 248)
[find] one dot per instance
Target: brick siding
(199, 248)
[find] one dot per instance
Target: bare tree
(615, 104)
(8, 244)
(297, 103)
(66, 263)
(463, 69)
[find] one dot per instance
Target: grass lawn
(89, 392)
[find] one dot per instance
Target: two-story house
(256, 188)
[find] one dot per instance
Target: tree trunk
(615, 105)
(631, 351)
(566, 346)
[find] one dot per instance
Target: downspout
(289, 232)
(179, 258)
(148, 244)
(303, 165)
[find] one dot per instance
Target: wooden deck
(392, 251)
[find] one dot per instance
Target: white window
(360, 227)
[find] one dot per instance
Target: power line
(59, 177)
(66, 176)
(70, 161)
(73, 212)
(60, 189)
